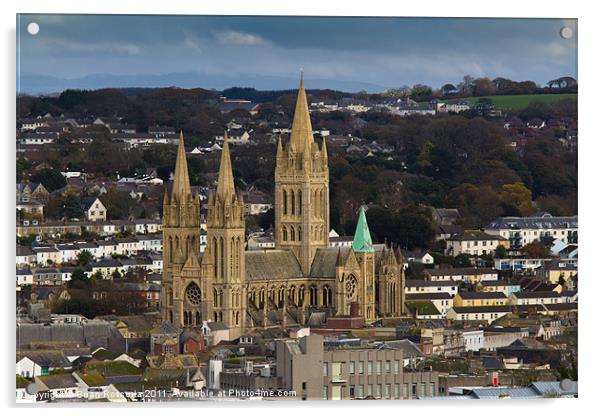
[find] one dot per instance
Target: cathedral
(303, 280)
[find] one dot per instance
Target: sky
(349, 52)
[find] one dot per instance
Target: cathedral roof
(326, 260)
(362, 241)
(272, 265)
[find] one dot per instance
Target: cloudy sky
(372, 52)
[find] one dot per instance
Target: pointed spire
(324, 151)
(181, 182)
(225, 182)
(279, 148)
(362, 241)
(340, 261)
(301, 132)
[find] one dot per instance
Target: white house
(477, 313)
(536, 298)
(94, 209)
(473, 339)
(425, 286)
(524, 230)
(474, 243)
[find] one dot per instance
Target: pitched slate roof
(57, 381)
(271, 264)
(325, 261)
(538, 221)
(46, 358)
(482, 295)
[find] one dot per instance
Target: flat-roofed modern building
(368, 371)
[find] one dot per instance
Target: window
(414, 389)
(360, 391)
(396, 391)
(325, 392)
(422, 389)
(361, 369)
(387, 366)
(396, 367)
(378, 367)
(325, 369)
(432, 389)
(352, 367)
(352, 390)
(377, 392)
(387, 391)
(369, 393)
(304, 385)
(369, 367)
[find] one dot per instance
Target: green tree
(536, 250)
(501, 252)
(52, 179)
(79, 280)
(84, 258)
(118, 204)
(462, 260)
(70, 207)
(516, 199)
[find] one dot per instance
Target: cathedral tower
(185, 297)
(301, 195)
(224, 257)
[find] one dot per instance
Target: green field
(516, 102)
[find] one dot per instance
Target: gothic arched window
(292, 202)
(313, 295)
(221, 255)
(284, 202)
(215, 257)
(284, 234)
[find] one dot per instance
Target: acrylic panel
(235, 208)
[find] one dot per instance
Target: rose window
(193, 294)
(350, 287)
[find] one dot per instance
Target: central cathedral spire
(301, 132)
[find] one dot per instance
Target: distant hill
(41, 84)
(517, 102)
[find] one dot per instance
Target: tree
(466, 85)
(79, 280)
(516, 199)
(536, 250)
(266, 219)
(462, 260)
(70, 207)
(116, 275)
(22, 166)
(52, 179)
(118, 204)
(483, 86)
(420, 91)
(84, 258)
(501, 252)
